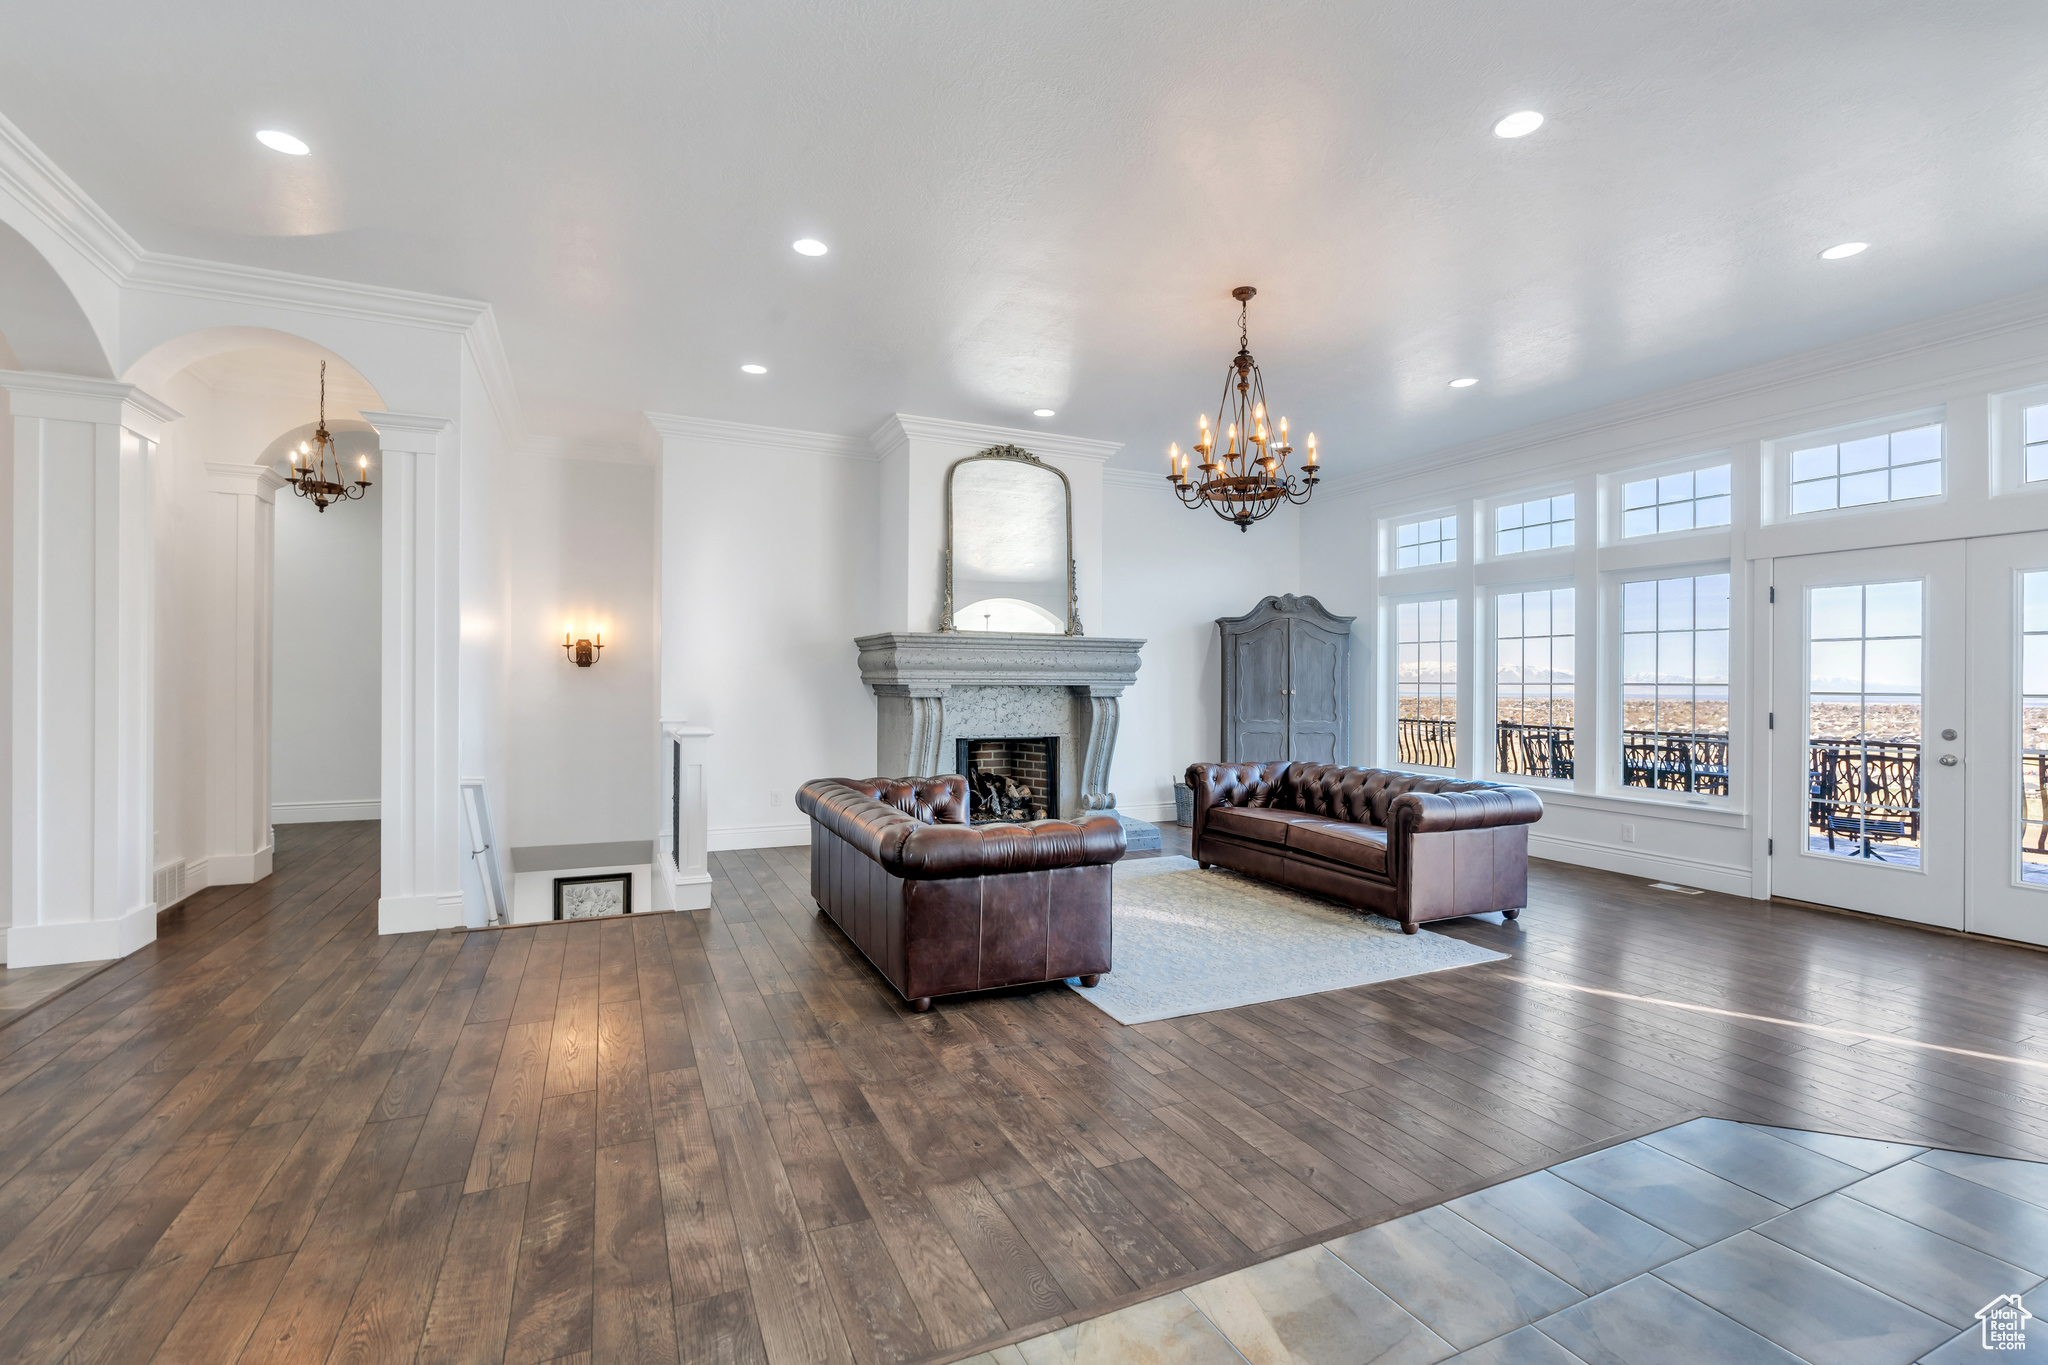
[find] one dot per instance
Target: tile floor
(1708, 1242)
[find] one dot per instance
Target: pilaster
(82, 725)
(420, 799)
(241, 558)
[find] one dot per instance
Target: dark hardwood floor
(274, 1136)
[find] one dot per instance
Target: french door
(1867, 685)
(1909, 733)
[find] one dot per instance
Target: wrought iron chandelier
(1246, 479)
(316, 465)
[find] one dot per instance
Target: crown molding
(1984, 322)
(487, 348)
(901, 426)
(1131, 478)
(668, 426)
(155, 272)
(63, 206)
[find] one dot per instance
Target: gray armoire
(1286, 683)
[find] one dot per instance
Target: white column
(241, 569)
(83, 724)
(683, 869)
(421, 885)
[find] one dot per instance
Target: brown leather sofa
(941, 906)
(1409, 847)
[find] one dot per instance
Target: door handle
(1949, 760)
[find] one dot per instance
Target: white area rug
(1189, 941)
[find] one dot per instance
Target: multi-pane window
(1864, 659)
(1676, 502)
(1889, 467)
(1426, 682)
(2034, 724)
(1534, 639)
(1539, 524)
(1422, 543)
(2034, 438)
(1674, 684)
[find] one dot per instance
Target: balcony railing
(1675, 760)
(1523, 750)
(1428, 743)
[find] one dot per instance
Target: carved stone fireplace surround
(932, 689)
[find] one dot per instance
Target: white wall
(488, 469)
(326, 660)
(582, 740)
(1168, 573)
(769, 570)
(1956, 364)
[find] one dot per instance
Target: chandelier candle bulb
(313, 479)
(1245, 476)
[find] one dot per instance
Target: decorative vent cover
(170, 884)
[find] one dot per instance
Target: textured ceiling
(1046, 205)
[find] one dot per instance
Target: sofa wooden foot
(1203, 866)
(1510, 914)
(1410, 927)
(1092, 979)
(922, 1004)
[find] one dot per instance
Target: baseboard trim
(1157, 812)
(1657, 867)
(734, 837)
(313, 812)
(231, 869)
(673, 890)
(414, 914)
(85, 940)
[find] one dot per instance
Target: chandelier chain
(1244, 475)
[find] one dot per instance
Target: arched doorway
(258, 688)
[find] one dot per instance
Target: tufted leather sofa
(941, 906)
(1409, 847)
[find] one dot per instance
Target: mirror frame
(1018, 455)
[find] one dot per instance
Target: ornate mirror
(1009, 546)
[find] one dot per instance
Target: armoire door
(1258, 718)
(1315, 694)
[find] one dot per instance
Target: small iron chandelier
(316, 465)
(1248, 478)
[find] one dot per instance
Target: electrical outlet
(775, 796)
(1628, 832)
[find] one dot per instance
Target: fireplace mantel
(932, 688)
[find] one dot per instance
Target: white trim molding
(420, 802)
(902, 427)
(84, 677)
(731, 837)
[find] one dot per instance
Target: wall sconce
(582, 653)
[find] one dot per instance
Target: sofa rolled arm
(1487, 808)
(876, 828)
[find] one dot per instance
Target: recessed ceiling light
(1836, 253)
(282, 142)
(1465, 383)
(1518, 125)
(809, 246)
(1041, 412)
(753, 369)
